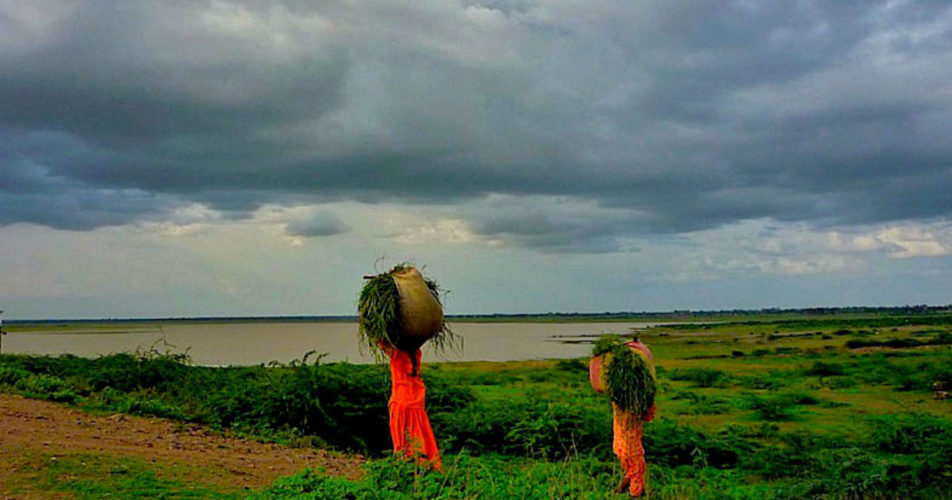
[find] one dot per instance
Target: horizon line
(606, 314)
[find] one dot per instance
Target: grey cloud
(553, 224)
(136, 74)
(30, 192)
(658, 117)
(319, 224)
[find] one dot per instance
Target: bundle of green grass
(624, 373)
(401, 308)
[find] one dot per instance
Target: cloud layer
(558, 126)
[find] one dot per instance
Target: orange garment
(626, 444)
(628, 429)
(409, 424)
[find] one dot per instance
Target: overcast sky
(205, 158)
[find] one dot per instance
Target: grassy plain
(786, 406)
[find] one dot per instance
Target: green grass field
(762, 407)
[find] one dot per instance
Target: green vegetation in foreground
(746, 410)
(94, 477)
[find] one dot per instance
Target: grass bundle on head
(629, 378)
(402, 308)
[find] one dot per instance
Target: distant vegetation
(772, 408)
(774, 315)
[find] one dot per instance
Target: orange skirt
(412, 435)
(626, 444)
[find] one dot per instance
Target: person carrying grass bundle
(399, 311)
(625, 371)
(410, 427)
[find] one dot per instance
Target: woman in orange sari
(627, 429)
(409, 425)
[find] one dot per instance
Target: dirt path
(29, 428)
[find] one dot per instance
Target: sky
(230, 158)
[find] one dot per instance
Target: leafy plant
(42, 386)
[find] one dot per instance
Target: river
(252, 343)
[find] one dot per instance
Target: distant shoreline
(666, 316)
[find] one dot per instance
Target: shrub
(572, 366)
(10, 375)
(316, 485)
(670, 444)
(773, 409)
(533, 427)
(821, 369)
(943, 338)
(788, 350)
(46, 387)
(701, 377)
(800, 398)
(768, 381)
(838, 382)
(910, 433)
(860, 343)
(774, 462)
(464, 478)
(136, 372)
(151, 407)
(699, 404)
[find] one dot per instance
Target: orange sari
(409, 424)
(628, 429)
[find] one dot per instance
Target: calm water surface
(262, 342)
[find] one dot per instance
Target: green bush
(151, 408)
(700, 404)
(669, 444)
(772, 409)
(10, 375)
(701, 377)
(343, 405)
(464, 478)
(766, 381)
(909, 433)
(129, 373)
(534, 426)
(944, 338)
(822, 369)
(46, 387)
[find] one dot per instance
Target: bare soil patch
(29, 428)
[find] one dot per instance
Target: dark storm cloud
(651, 117)
(30, 192)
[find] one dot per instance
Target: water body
(252, 343)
